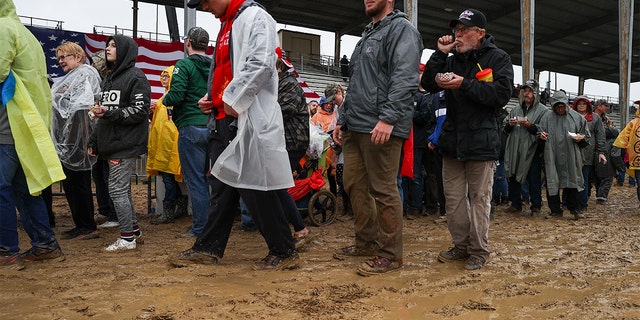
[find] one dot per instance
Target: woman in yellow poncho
(629, 139)
(163, 157)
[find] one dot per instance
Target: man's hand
(453, 84)
(90, 152)
(446, 43)
(602, 159)
(431, 146)
(205, 104)
(337, 135)
(544, 136)
(229, 110)
(578, 137)
(381, 133)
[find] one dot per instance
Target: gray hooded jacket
(384, 76)
(562, 154)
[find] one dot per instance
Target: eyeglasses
(60, 58)
(463, 30)
(164, 76)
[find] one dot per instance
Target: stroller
(313, 202)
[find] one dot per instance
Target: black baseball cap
(198, 36)
(193, 3)
(468, 17)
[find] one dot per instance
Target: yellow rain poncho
(23, 68)
(162, 154)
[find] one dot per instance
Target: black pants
(77, 189)
(572, 201)
(100, 174)
(264, 206)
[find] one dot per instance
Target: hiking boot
(86, 235)
(37, 254)
(353, 251)
(11, 262)
(378, 265)
(182, 207)
(191, 256)
(70, 231)
(168, 213)
(453, 254)
(109, 224)
(188, 234)
(273, 262)
(553, 215)
(513, 210)
(577, 214)
(121, 244)
(474, 263)
(412, 213)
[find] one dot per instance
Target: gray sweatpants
(120, 172)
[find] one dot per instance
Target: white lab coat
(257, 158)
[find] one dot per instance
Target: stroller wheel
(322, 208)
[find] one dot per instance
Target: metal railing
(33, 21)
(149, 35)
(314, 63)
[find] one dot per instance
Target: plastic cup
(485, 75)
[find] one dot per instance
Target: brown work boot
(475, 263)
(37, 254)
(353, 251)
(191, 256)
(378, 265)
(273, 262)
(453, 254)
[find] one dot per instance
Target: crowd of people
(233, 128)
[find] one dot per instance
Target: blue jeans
(171, 186)
(192, 148)
(417, 185)
(245, 217)
(588, 172)
(14, 193)
(500, 185)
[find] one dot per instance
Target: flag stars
(53, 38)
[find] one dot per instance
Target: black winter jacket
(123, 131)
(471, 129)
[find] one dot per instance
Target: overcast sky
(84, 15)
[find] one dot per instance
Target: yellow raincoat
(162, 153)
(628, 139)
(29, 110)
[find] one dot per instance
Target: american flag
(153, 56)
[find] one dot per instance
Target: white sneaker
(122, 244)
(109, 224)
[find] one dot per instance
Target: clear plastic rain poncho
(71, 127)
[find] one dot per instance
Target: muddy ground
(539, 269)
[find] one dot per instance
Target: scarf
(223, 72)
